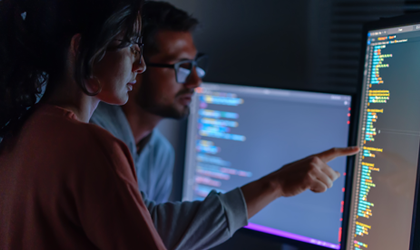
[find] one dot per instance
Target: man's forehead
(174, 45)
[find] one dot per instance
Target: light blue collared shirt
(154, 164)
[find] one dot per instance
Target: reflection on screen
(238, 134)
(389, 132)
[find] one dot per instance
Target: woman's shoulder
(62, 127)
(88, 145)
(95, 138)
(104, 149)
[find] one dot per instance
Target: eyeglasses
(184, 68)
(136, 47)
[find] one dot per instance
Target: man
(163, 91)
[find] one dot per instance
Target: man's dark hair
(157, 16)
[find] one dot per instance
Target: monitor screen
(237, 134)
(385, 171)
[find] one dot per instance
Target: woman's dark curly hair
(34, 39)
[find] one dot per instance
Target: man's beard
(169, 111)
(165, 111)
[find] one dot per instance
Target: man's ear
(74, 44)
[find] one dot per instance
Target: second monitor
(237, 134)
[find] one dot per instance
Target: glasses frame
(139, 42)
(176, 66)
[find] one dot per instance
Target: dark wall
(264, 43)
(254, 43)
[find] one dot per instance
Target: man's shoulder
(112, 118)
(105, 114)
(160, 143)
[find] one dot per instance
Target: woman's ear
(74, 44)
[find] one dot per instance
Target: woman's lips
(130, 85)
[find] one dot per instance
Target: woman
(52, 195)
(66, 184)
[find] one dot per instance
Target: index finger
(333, 153)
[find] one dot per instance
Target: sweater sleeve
(199, 224)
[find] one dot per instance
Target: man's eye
(186, 65)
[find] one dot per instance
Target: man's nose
(193, 80)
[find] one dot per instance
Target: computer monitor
(237, 134)
(385, 178)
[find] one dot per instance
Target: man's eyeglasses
(184, 68)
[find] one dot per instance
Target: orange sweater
(65, 184)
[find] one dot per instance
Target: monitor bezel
(383, 23)
(348, 179)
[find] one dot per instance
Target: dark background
(302, 44)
